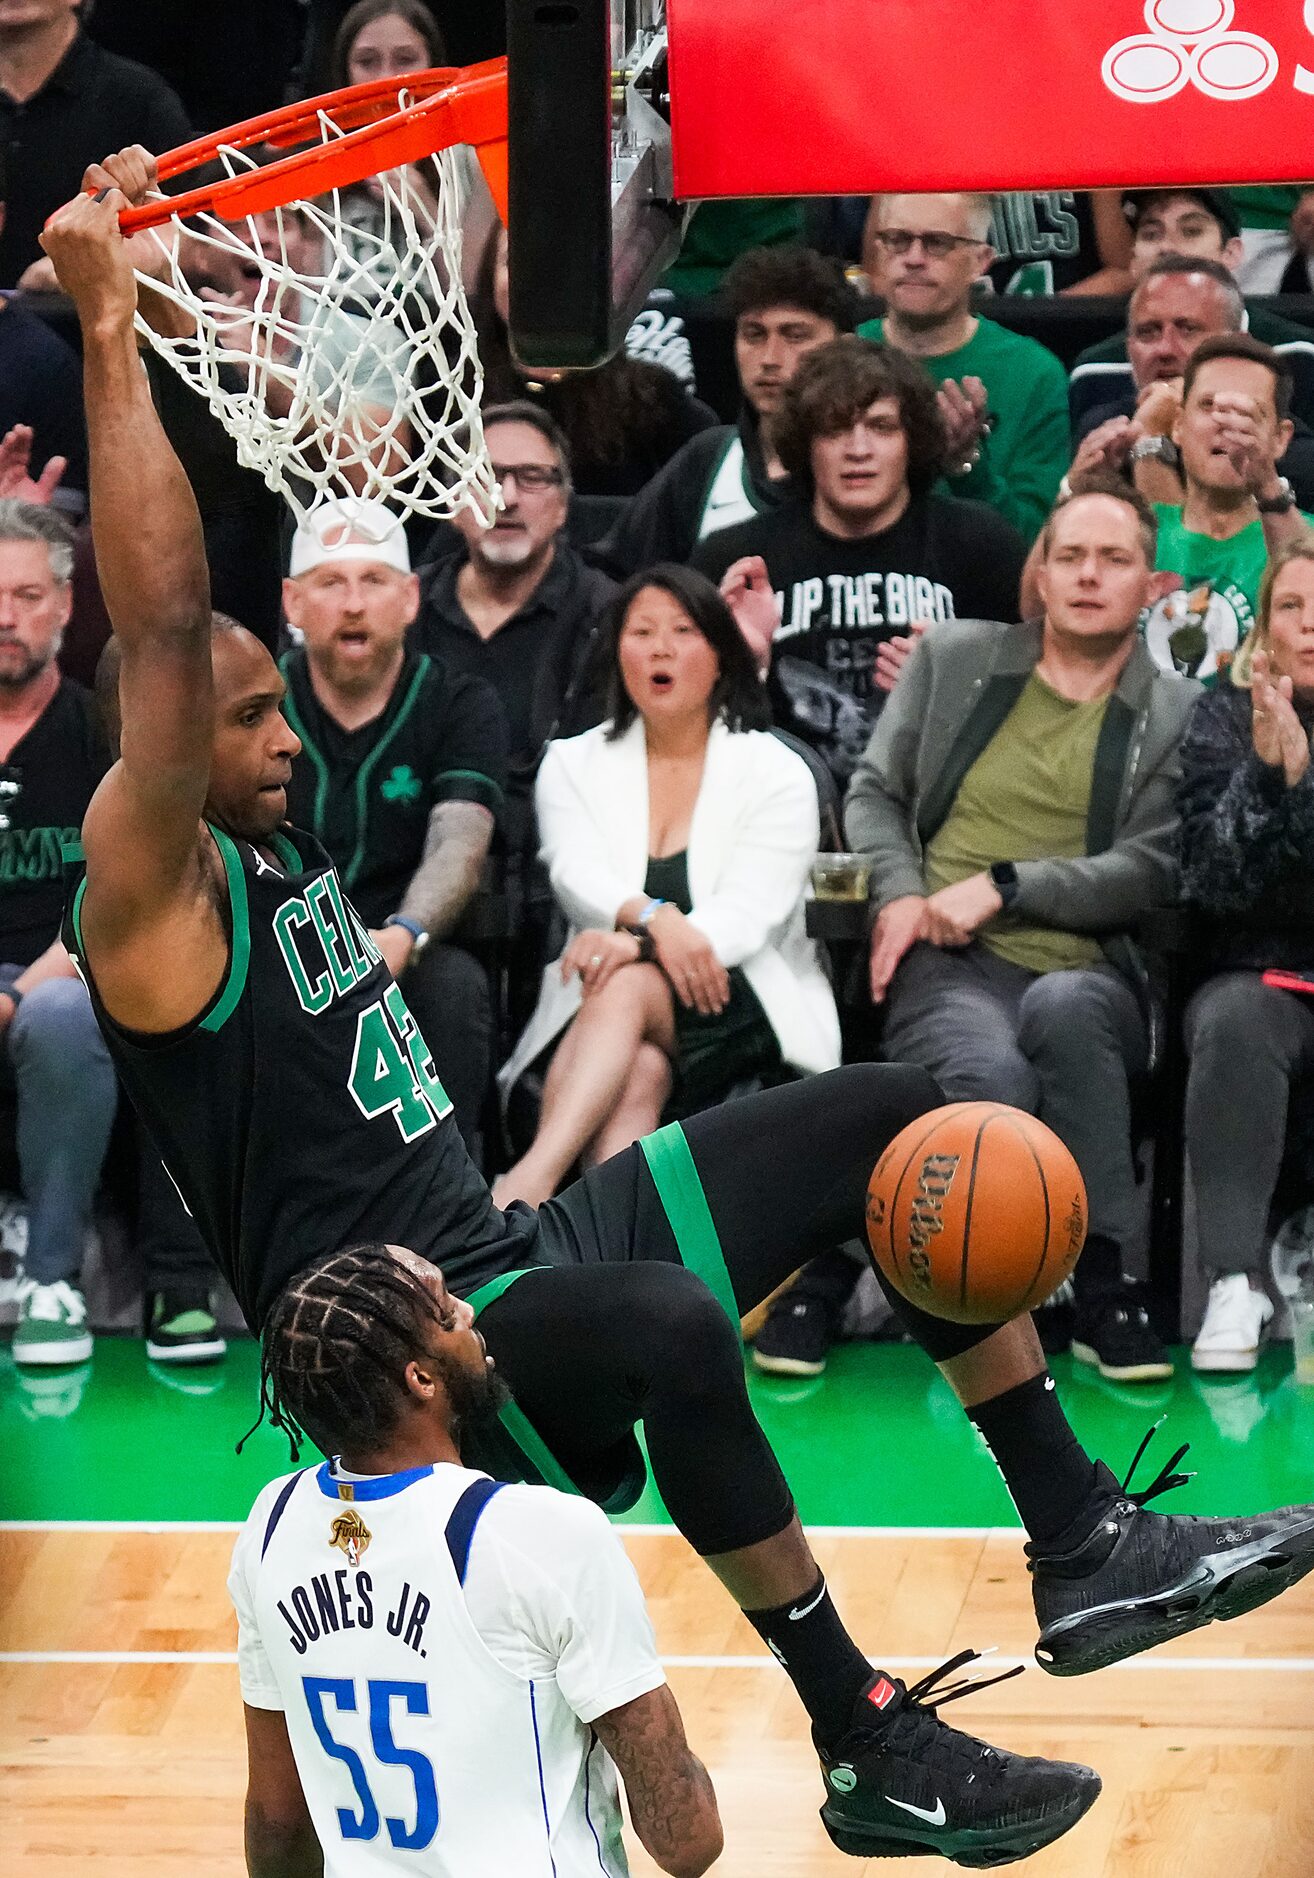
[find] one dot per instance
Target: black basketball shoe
(901, 1783)
(1134, 1578)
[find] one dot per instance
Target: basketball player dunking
(280, 1074)
(432, 1663)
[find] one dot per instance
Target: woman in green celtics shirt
(678, 838)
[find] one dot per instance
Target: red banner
(843, 97)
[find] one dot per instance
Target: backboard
(592, 220)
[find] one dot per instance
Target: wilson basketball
(976, 1212)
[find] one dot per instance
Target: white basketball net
(346, 363)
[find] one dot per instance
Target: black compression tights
(626, 1334)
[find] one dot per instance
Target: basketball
(976, 1212)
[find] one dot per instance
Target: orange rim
(450, 105)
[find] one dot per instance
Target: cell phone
(1290, 981)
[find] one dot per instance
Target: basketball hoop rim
(452, 104)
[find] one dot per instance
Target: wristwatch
(420, 934)
(1004, 876)
(1155, 450)
(1280, 504)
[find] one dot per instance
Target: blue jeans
(54, 1059)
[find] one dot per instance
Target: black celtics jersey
(300, 1112)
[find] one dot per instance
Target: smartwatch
(420, 934)
(1004, 876)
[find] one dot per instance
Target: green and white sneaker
(183, 1329)
(52, 1324)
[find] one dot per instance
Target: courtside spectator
(785, 302)
(866, 551)
(210, 64)
(517, 608)
(1003, 397)
(1017, 803)
(1247, 845)
(53, 1063)
(679, 837)
(1198, 224)
(621, 422)
(1234, 428)
(401, 775)
(65, 101)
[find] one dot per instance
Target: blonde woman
(1247, 835)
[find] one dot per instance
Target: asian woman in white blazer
(682, 796)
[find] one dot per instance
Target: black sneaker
(183, 1329)
(1113, 1333)
(903, 1784)
(805, 1320)
(1137, 1578)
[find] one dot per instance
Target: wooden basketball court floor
(120, 1721)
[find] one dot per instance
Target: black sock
(823, 1662)
(1045, 1467)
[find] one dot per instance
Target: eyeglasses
(529, 475)
(934, 241)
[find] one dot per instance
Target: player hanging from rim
(282, 1080)
(488, 1690)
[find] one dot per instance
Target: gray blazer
(959, 684)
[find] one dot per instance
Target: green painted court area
(877, 1441)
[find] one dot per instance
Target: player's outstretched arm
(142, 831)
(672, 1806)
(280, 1839)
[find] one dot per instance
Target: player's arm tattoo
(455, 847)
(672, 1805)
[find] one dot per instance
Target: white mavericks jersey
(439, 1646)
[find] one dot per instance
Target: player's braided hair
(335, 1346)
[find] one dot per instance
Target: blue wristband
(652, 907)
(407, 924)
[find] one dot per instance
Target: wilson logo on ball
(927, 1216)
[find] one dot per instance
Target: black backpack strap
(465, 1517)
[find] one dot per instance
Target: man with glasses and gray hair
(517, 607)
(53, 1064)
(1003, 397)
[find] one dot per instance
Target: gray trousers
(54, 1060)
(1248, 1042)
(1061, 1045)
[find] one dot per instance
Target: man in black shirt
(53, 1063)
(64, 101)
(866, 553)
(518, 609)
(785, 302)
(401, 775)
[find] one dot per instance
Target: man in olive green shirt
(1017, 803)
(1004, 398)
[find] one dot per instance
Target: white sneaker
(52, 1325)
(1233, 1328)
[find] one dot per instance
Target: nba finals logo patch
(351, 1535)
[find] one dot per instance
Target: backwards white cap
(350, 528)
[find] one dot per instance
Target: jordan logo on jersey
(351, 1535)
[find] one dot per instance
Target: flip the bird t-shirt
(943, 559)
